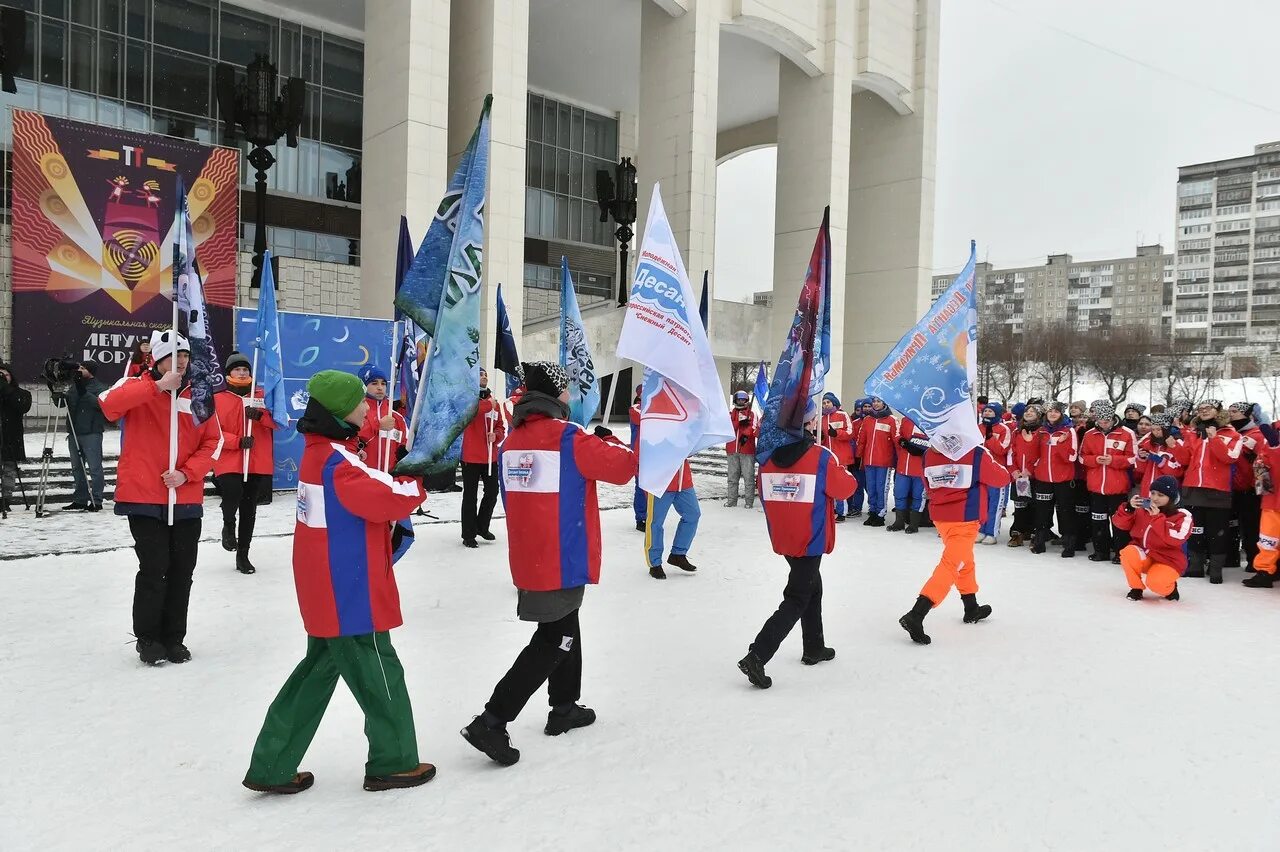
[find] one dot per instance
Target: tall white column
(406, 65)
(891, 198)
(679, 69)
(489, 54)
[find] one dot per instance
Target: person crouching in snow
(549, 468)
(799, 485)
(908, 478)
(1159, 530)
(838, 435)
(956, 490)
(349, 602)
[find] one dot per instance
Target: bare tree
(1055, 350)
(1120, 357)
(1002, 352)
(1198, 375)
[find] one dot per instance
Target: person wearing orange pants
(957, 502)
(1159, 531)
(1265, 469)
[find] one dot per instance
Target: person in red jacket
(480, 442)
(549, 469)
(1246, 505)
(1213, 447)
(1024, 453)
(639, 498)
(908, 478)
(1266, 471)
(166, 553)
(997, 437)
(799, 485)
(839, 433)
(956, 501)
(239, 406)
(1159, 530)
(1108, 454)
(877, 440)
(1160, 453)
(349, 602)
(741, 451)
(384, 429)
(140, 361)
(1053, 481)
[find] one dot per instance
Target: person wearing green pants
(342, 555)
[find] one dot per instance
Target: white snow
(1073, 719)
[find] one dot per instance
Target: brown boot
(301, 781)
(1015, 539)
(399, 780)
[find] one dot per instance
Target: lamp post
(263, 117)
(616, 195)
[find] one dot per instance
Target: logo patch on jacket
(949, 475)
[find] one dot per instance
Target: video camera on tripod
(59, 374)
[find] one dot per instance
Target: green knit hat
(338, 392)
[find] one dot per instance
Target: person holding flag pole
(479, 448)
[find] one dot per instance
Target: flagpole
(422, 386)
(245, 418)
(173, 394)
(613, 389)
(384, 445)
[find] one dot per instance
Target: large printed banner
(311, 343)
(93, 213)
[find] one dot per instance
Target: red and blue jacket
(955, 487)
(798, 486)
(877, 438)
(549, 469)
(342, 538)
(911, 463)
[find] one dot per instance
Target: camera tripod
(50, 439)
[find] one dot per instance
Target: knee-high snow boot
(915, 520)
(899, 521)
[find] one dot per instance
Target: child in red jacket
(1266, 473)
(240, 410)
(1159, 530)
(1107, 453)
(480, 442)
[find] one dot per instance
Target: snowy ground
(1073, 719)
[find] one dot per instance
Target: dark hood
(13, 380)
(788, 454)
(318, 420)
(537, 402)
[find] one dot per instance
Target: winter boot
(1101, 552)
(1015, 539)
(1115, 559)
(682, 562)
(640, 526)
(1134, 594)
(177, 653)
(915, 520)
(1216, 564)
(899, 521)
(821, 655)
(925, 520)
(494, 742)
(576, 716)
(874, 520)
(1260, 580)
(243, 565)
(1233, 559)
(1037, 542)
(856, 513)
(301, 781)
(487, 536)
(840, 519)
(1068, 547)
(730, 503)
(973, 611)
(656, 572)
(1173, 596)
(415, 777)
(228, 536)
(913, 622)
(751, 666)
(1195, 564)
(149, 652)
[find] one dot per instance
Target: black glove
(831, 431)
(398, 534)
(401, 452)
(485, 393)
(903, 442)
(246, 443)
(254, 413)
(602, 433)
(857, 464)
(744, 419)
(742, 442)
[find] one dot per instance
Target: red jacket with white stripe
(910, 464)
(1058, 452)
(231, 420)
(955, 488)
(798, 487)
(745, 425)
(999, 441)
(371, 435)
(1161, 536)
(1119, 445)
(1242, 470)
(548, 472)
(1161, 460)
(143, 414)
(1024, 452)
(844, 444)
(483, 434)
(342, 534)
(877, 439)
(1211, 458)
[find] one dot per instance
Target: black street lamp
(616, 195)
(263, 117)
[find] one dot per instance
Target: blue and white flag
(762, 387)
(204, 372)
(575, 354)
(505, 357)
(266, 344)
(451, 396)
(682, 403)
(929, 376)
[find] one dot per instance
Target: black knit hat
(545, 377)
(1168, 486)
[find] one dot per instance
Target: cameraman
(480, 442)
(14, 403)
(87, 425)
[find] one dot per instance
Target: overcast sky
(1048, 144)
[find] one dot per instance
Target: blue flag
(929, 376)
(404, 259)
(407, 368)
(762, 387)
(504, 350)
(204, 373)
(451, 396)
(575, 355)
(704, 307)
(266, 343)
(802, 367)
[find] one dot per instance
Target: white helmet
(165, 343)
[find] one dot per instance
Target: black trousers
(241, 497)
(1024, 511)
(554, 657)
(476, 521)
(1059, 496)
(162, 588)
(1246, 517)
(1084, 508)
(801, 601)
(1209, 535)
(1107, 540)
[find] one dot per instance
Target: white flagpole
(249, 401)
(391, 391)
(422, 385)
(173, 394)
(613, 389)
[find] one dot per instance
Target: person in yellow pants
(1159, 531)
(958, 505)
